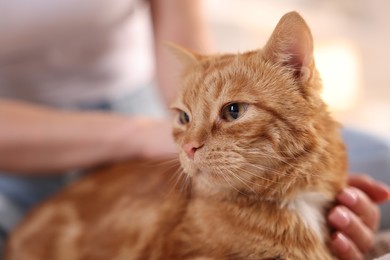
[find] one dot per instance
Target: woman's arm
(39, 139)
(180, 22)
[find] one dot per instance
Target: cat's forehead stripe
(200, 83)
(217, 75)
(215, 79)
(277, 115)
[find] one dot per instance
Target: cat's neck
(308, 206)
(272, 193)
(228, 194)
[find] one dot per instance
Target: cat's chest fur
(310, 207)
(260, 230)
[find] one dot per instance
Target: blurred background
(352, 43)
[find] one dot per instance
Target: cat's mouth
(197, 172)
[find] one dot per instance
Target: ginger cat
(262, 162)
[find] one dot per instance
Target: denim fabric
(371, 155)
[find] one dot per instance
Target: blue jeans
(19, 193)
(371, 155)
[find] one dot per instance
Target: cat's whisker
(261, 169)
(177, 171)
(294, 173)
(226, 178)
(287, 163)
(249, 182)
(262, 185)
(240, 178)
(176, 177)
(256, 153)
(258, 150)
(166, 162)
(269, 169)
(266, 169)
(258, 176)
(186, 181)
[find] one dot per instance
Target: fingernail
(349, 197)
(342, 242)
(339, 217)
(385, 189)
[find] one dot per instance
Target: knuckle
(351, 254)
(376, 213)
(367, 244)
(366, 178)
(358, 256)
(376, 216)
(372, 220)
(361, 195)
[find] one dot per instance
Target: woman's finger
(377, 191)
(360, 204)
(343, 248)
(352, 227)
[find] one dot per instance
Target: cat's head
(242, 121)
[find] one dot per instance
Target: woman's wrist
(147, 138)
(127, 138)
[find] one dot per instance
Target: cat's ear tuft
(291, 44)
(185, 56)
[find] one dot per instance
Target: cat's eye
(183, 118)
(233, 111)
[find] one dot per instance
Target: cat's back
(116, 212)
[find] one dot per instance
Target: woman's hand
(357, 216)
(155, 139)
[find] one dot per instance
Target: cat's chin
(210, 179)
(192, 172)
(195, 172)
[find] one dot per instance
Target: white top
(65, 52)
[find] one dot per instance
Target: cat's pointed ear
(185, 56)
(291, 44)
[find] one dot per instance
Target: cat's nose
(191, 147)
